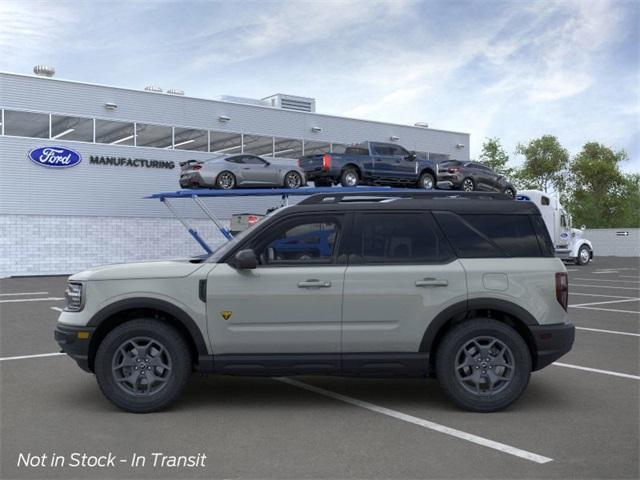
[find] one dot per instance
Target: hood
(140, 270)
(576, 233)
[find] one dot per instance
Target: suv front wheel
(142, 365)
(483, 365)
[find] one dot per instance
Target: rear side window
(467, 241)
(514, 234)
(400, 238)
(356, 151)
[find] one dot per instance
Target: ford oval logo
(55, 157)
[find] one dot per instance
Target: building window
(157, 136)
(71, 128)
(114, 133)
(287, 148)
(26, 124)
(258, 145)
(314, 148)
(225, 142)
(190, 139)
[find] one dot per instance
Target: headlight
(74, 298)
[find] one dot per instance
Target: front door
(257, 171)
(291, 303)
(401, 275)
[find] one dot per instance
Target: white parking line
(605, 272)
(48, 299)
(604, 286)
(485, 442)
(22, 293)
(596, 295)
(628, 276)
(605, 280)
(597, 370)
(57, 309)
(608, 331)
(24, 357)
(610, 310)
(605, 302)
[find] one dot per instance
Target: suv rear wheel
(142, 365)
(483, 365)
(468, 185)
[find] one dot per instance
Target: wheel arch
(122, 311)
(353, 166)
(502, 310)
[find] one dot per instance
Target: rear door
(401, 274)
(384, 161)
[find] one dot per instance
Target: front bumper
(552, 342)
(74, 341)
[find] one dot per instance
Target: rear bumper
(449, 180)
(74, 345)
(552, 342)
(192, 180)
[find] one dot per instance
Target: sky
(514, 70)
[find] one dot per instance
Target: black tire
(174, 378)
(293, 180)
(509, 192)
(427, 181)
(584, 255)
(225, 180)
(449, 374)
(349, 178)
(468, 185)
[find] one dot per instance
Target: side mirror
(244, 260)
(412, 156)
(583, 228)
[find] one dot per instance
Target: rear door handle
(313, 283)
(432, 282)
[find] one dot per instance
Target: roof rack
(396, 194)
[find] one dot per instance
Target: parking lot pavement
(570, 423)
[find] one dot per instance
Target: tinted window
(545, 200)
(300, 242)
(467, 242)
(514, 234)
(252, 160)
(400, 238)
(238, 159)
(382, 150)
(544, 239)
(356, 151)
(398, 151)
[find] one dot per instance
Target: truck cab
(568, 241)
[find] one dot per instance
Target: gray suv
(465, 288)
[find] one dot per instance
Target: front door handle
(313, 283)
(432, 282)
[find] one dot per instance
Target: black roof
(457, 202)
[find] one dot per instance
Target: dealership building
(128, 145)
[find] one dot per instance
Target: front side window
(251, 160)
(398, 238)
(303, 241)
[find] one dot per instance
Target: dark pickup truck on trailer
(370, 163)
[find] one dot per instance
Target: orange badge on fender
(226, 314)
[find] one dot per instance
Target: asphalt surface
(570, 423)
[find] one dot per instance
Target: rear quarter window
(513, 234)
(467, 241)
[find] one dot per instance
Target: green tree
(494, 156)
(544, 165)
(601, 196)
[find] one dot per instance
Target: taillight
(326, 161)
(196, 167)
(562, 289)
(252, 219)
(454, 170)
(299, 162)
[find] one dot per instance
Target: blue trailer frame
(197, 194)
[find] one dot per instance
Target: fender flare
(153, 303)
(459, 310)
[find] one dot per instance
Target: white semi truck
(567, 241)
